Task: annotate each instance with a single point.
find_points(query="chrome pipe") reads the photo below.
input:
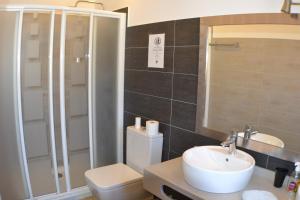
(89, 1)
(234, 45)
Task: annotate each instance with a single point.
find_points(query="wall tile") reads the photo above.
(184, 115)
(80, 162)
(35, 134)
(260, 159)
(185, 88)
(33, 97)
(33, 74)
(187, 32)
(137, 58)
(186, 60)
(138, 36)
(173, 155)
(182, 140)
(165, 156)
(78, 137)
(78, 101)
(148, 106)
(128, 121)
(152, 83)
(78, 73)
(276, 162)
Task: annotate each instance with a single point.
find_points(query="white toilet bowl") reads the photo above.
(116, 182)
(125, 182)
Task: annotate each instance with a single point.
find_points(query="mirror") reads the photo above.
(253, 78)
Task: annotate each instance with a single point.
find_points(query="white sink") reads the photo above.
(213, 169)
(265, 138)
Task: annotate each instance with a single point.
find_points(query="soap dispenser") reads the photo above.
(294, 182)
(298, 193)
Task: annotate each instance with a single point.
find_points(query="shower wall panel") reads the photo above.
(35, 104)
(105, 73)
(12, 184)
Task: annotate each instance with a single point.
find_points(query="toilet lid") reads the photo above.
(112, 176)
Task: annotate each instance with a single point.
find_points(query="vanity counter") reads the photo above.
(170, 174)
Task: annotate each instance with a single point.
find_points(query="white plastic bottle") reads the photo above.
(294, 182)
(298, 193)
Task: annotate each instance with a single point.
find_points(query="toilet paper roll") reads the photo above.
(152, 127)
(137, 124)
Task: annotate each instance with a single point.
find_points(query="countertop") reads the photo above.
(170, 173)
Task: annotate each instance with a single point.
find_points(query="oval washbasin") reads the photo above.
(265, 138)
(213, 169)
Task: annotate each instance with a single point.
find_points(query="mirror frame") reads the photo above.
(239, 19)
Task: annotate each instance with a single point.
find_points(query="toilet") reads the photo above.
(125, 182)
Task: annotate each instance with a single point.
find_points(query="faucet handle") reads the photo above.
(234, 133)
(248, 127)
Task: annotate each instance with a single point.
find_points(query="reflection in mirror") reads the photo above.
(252, 77)
(251, 133)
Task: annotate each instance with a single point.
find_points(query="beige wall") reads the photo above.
(272, 31)
(256, 84)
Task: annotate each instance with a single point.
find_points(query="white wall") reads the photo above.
(149, 11)
(47, 2)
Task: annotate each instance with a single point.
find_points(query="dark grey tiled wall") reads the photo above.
(169, 95)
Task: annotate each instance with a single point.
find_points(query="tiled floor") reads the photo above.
(90, 198)
(93, 198)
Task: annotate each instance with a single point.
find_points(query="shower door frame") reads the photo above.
(92, 13)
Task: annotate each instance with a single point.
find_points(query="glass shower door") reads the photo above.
(36, 102)
(76, 82)
(54, 98)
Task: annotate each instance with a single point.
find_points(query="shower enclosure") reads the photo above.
(61, 107)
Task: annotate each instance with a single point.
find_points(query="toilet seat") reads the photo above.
(112, 176)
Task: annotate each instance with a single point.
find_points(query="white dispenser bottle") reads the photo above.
(294, 182)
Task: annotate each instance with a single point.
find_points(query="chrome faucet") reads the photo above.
(248, 132)
(231, 142)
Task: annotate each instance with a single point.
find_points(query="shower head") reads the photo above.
(286, 7)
